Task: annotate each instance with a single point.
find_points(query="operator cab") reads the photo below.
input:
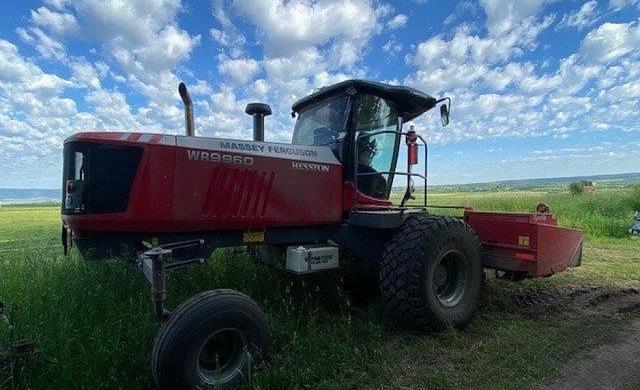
(361, 121)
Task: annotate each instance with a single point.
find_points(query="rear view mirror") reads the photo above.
(444, 115)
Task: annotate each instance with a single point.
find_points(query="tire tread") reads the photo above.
(401, 271)
(185, 313)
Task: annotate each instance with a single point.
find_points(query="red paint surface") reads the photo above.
(212, 196)
(550, 247)
(173, 194)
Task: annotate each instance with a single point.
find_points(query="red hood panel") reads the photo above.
(203, 184)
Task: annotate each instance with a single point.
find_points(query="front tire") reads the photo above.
(431, 274)
(210, 341)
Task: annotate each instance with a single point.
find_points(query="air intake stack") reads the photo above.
(258, 111)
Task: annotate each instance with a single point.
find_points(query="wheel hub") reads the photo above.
(450, 278)
(441, 275)
(221, 356)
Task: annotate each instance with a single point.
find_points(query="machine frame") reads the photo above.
(391, 242)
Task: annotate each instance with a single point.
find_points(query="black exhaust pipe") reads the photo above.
(188, 109)
(258, 111)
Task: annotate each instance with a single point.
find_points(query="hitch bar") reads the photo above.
(153, 264)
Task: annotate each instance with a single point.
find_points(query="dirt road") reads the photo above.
(612, 366)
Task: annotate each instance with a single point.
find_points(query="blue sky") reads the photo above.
(540, 88)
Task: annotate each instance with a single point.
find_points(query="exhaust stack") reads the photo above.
(258, 111)
(188, 109)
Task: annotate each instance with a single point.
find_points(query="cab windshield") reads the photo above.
(323, 124)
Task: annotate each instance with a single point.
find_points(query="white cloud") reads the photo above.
(383, 10)
(494, 95)
(135, 21)
(171, 45)
(223, 39)
(57, 22)
(449, 19)
(617, 5)
(12, 66)
(392, 47)
(201, 88)
(466, 59)
(398, 21)
(288, 27)
(56, 4)
(258, 90)
(143, 45)
(34, 118)
(140, 35)
(16, 72)
(228, 37)
(630, 90)
(611, 41)
(85, 74)
(112, 109)
(466, 9)
(48, 47)
(496, 77)
(241, 70)
(45, 85)
(581, 18)
(306, 63)
(305, 44)
(603, 153)
(505, 15)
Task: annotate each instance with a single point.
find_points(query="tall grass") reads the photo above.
(635, 197)
(602, 214)
(94, 328)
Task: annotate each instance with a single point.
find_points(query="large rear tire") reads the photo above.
(210, 341)
(431, 274)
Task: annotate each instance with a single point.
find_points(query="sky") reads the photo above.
(539, 88)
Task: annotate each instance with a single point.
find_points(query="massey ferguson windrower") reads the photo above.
(169, 201)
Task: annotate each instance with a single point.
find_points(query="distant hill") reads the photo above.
(29, 195)
(34, 195)
(599, 181)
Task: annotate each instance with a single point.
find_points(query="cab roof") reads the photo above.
(409, 101)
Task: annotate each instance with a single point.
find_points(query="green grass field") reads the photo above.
(93, 324)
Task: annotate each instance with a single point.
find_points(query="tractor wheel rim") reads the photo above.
(222, 356)
(450, 278)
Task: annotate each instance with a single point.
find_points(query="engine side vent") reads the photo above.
(238, 193)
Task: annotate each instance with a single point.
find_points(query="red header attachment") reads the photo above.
(412, 153)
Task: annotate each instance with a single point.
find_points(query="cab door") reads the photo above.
(375, 151)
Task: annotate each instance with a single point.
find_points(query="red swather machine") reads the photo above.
(170, 201)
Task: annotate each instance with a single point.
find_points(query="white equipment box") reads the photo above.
(311, 258)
